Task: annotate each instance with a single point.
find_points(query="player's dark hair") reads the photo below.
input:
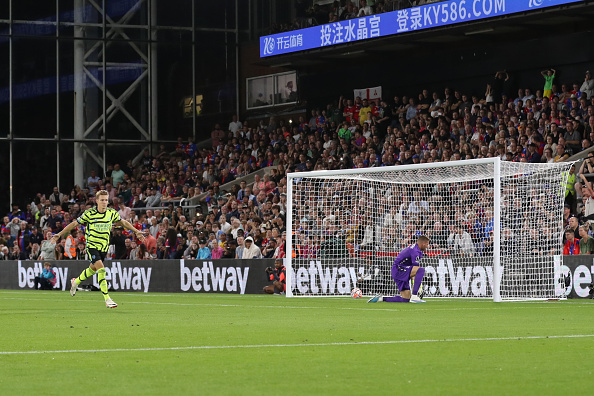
(423, 238)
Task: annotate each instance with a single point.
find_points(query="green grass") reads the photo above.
(244, 345)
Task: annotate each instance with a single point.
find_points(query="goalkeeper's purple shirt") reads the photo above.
(409, 256)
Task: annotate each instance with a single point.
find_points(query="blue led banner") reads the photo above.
(396, 22)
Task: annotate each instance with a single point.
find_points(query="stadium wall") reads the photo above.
(249, 277)
(168, 276)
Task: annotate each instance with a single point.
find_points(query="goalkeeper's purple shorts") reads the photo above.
(401, 275)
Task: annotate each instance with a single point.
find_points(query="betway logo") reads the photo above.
(470, 281)
(580, 278)
(445, 279)
(209, 277)
(126, 278)
(325, 280)
(27, 275)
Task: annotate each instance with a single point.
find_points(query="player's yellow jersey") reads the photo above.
(98, 227)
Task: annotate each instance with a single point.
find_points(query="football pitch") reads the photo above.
(169, 344)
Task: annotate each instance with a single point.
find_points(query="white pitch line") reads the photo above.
(306, 307)
(549, 306)
(320, 344)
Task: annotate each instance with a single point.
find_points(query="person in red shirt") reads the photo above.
(151, 245)
(357, 108)
(375, 110)
(278, 276)
(572, 246)
(349, 111)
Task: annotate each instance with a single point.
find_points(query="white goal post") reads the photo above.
(495, 228)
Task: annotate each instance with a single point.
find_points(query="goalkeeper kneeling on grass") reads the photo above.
(278, 276)
(406, 267)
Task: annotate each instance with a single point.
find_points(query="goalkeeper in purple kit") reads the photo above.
(406, 267)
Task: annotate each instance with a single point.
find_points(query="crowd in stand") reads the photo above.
(247, 221)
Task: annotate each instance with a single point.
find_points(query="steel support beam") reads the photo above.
(79, 92)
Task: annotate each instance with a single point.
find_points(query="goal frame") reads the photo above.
(495, 161)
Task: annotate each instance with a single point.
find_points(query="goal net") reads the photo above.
(495, 228)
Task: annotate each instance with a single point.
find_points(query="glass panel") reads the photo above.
(260, 92)
(44, 164)
(4, 180)
(33, 10)
(34, 18)
(285, 88)
(179, 12)
(4, 9)
(66, 11)
(174, 85)
(220, 14)
(66, 71)
(66, 167)
(4, 93)
(34, 88)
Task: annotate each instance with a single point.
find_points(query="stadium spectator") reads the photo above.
(81, 252)
(192, 251)
(250, 251)
(217, 250)
(574, 226)
(549, 76)
(151, 245)
(587, 198)
(571, 246)
(47, 279)
(588, 85)
(48, 247)
(203, 251)
(92, 182)
(56, 196)
(143, 253)
(70, 245)
(570, 192)
(281, 251)
(4, 253)
(230, 250)
(17, 254)
(217, 136)
(14, 227)
(240, 247)
(35, 236)
(586, 241)
(460, 241)
(59, 250)
(16, 212)
(269, 249)
(117, 240)
(278, 276)
(235, 126)
(133, 254)
(35, 252)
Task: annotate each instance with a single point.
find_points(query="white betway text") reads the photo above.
(211, 278)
